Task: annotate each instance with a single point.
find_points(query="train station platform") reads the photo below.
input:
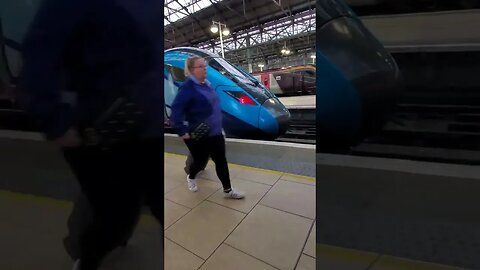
(37, 190)
(274, 227)
(423, 211)
(202, 230)
(32, 229)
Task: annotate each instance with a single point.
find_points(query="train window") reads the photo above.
(215, 65)
(243, 79)
(224, 67)
(294, 83)
(178, 74)
(310, 73)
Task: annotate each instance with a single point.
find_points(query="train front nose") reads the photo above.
(367, 67)
(273, 118)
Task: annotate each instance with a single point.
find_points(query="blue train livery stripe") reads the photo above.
(338, 104)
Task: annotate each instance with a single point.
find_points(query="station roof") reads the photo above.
(188, 22)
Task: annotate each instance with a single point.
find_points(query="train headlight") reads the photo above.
(241, 97)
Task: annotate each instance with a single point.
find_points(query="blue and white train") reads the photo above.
(249, 109)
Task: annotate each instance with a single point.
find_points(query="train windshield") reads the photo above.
(243, 79)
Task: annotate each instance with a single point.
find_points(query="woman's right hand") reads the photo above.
(186, 136)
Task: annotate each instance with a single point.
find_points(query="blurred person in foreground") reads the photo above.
(109, 54)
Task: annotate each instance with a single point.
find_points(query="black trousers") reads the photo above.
(213, 147)
(189, 162)
(116, 183)
(79, 220)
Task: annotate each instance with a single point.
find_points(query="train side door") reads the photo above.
(174, 78)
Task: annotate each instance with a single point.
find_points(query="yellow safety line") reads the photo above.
(17, 196)
(303, 177)
(385, 262)
(396, 263)
(24, 197)
(345, 254)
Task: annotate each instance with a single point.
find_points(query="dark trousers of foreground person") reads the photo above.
(116, 182)
(213, 147)
(79, 220)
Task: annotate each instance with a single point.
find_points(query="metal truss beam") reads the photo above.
(279, 30)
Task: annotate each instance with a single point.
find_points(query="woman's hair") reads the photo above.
(189, 64)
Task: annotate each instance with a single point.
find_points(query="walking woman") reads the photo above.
(199, 105)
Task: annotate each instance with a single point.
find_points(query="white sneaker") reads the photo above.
(192, 184)
(234, 194)
(76, 265)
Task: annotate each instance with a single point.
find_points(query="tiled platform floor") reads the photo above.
(272, 228)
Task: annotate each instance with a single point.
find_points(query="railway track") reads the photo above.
(299, 134)
(301, 131)
(438, 116)
(429, 132)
